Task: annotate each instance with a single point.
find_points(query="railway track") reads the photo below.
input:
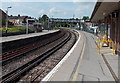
(6, 57)
(19, 72)
(40, 71)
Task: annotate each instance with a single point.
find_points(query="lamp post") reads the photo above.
(7, 19)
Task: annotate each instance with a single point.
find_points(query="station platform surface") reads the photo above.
(84, 63)
(23, 36)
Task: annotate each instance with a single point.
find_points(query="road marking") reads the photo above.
(78, 67)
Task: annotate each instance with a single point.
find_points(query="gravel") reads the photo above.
(40, 71)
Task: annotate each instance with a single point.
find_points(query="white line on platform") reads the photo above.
(55, 69)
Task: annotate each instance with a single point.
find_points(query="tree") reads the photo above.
(45, 17)
(10, 23)
(85, 18)
(77, 19)
(44, 21)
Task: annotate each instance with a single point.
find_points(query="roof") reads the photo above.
(95, 9)
(18, 17)
(2, 12)
(103, 9)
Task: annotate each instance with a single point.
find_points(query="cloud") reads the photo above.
(83, 9)
(21, 13)
(65, 10)
(41, 11)
(80, 11)
(53, 11)
(76, 1)
(11, 0)
(59, 1)
(64, 13)
(84, 1)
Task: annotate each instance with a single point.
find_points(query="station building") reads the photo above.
(2, 17)
(108, 13)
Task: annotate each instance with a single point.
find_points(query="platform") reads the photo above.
(23, 36)
(83, 63)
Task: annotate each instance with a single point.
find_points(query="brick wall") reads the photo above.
(118, 32)
(115, 31)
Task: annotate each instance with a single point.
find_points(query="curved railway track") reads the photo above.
(57, 41)
(28, 48)
(39, 72)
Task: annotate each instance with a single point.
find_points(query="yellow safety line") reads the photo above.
(107, 49)
(78, 67)
(108, 54)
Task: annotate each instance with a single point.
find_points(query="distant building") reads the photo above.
(65, 20)
(2, 14)
(2, 17)
(19, 20)
(89, 23)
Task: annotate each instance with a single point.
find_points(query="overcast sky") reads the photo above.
(52, 9)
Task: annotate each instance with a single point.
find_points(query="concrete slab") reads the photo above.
(66, 69)
(92, 63)
(83, 64)
(23, 36)
(112, 59)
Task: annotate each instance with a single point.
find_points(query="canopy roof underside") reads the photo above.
(102, 9)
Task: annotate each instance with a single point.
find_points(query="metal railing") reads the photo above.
(102, 40)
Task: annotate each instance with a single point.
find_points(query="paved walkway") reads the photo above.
(92, 67)
(84, 63)
(23, 36)
(112, 59)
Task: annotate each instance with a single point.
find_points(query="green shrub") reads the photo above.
(14, 29)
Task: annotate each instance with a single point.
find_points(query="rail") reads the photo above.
(28, 48)
(16, 74)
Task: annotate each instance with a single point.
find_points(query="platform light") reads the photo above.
(7, 19)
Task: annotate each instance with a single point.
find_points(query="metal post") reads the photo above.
(113, 48)
(27, 27)
(7, 19)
